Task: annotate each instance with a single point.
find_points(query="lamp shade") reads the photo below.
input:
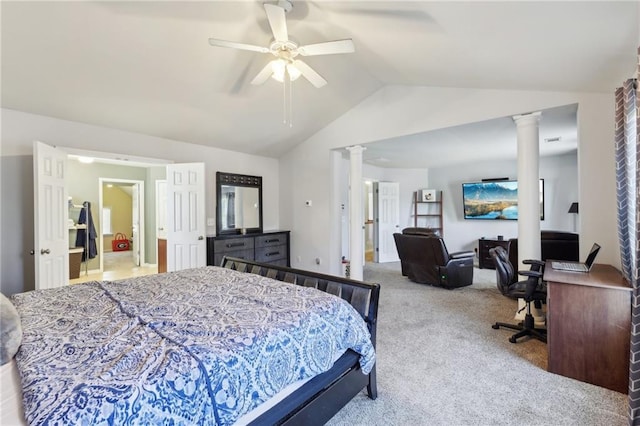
(573, 208)
(293, 72)
(278, 67)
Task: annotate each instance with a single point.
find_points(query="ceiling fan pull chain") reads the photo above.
(290, 104)
(284, 100)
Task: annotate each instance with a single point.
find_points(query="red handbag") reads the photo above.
(120, 242)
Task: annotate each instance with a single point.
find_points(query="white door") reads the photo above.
(161, 209)
(186, 227)
(51, 233)
(388, 220)
(135, 223)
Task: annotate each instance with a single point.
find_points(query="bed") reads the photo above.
(236, 344)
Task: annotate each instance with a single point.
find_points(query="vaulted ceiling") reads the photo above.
(147, 67)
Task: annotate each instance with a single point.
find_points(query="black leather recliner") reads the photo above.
(532, 290)
(424, 231)
(425, 259)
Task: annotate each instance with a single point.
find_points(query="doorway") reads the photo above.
(129, 212)
(122, 233)
(386, 217)
(185, 241)
(381, 220)
(369, 242)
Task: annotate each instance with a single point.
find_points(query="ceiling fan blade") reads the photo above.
(263, 75)
(308, 73)
(328, 48)
(234, 45)
(277, 21)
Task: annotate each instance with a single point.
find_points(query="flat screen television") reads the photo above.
(494, 200)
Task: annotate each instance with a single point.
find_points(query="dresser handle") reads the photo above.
(273, 240)
(273, 253)
(230, 245)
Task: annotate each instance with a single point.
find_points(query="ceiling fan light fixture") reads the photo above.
(286, 50)
(278, 66)
(294, 73)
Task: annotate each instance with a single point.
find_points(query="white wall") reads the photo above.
(395, 111)
(19, 130)
(560, 176)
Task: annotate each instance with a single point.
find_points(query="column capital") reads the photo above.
(356, 149)
(530, 118)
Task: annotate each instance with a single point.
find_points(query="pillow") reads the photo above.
(10, 330)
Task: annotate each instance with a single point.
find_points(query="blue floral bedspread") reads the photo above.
(200, 346)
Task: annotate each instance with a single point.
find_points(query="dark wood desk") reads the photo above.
(589, 325)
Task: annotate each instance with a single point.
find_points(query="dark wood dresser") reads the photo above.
(266, 247)
(484, 245)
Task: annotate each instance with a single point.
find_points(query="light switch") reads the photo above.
(211, 221)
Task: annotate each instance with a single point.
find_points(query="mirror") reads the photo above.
(239, 203)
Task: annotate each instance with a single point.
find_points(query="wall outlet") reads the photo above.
(211, 221)
(318, 261)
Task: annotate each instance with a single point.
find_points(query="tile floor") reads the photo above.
(117, 265)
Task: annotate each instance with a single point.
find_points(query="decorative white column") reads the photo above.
(528, 127)
(356, 221)
(528, 134)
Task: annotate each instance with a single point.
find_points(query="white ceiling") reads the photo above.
(487, 140)
(147, 67)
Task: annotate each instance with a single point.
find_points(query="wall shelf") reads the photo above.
(428, 214)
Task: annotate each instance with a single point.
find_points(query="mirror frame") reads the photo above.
(245, 181)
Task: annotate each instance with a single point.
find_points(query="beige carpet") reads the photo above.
(441, 363)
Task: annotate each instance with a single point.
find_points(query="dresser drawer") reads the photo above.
(241, 254)
(269, 254)
(280, 262)
(271, 240)
(232, 244)
(271, 247)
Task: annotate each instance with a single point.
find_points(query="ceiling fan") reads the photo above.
(286, 51)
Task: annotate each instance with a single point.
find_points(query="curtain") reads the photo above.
(627, 144)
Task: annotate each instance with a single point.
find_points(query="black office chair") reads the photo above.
(532, 290)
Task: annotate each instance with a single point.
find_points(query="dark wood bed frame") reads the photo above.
(323, 396)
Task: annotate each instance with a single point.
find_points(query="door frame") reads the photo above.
(160, 202)
(141, 215)
(376, 220)
(368, 205)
